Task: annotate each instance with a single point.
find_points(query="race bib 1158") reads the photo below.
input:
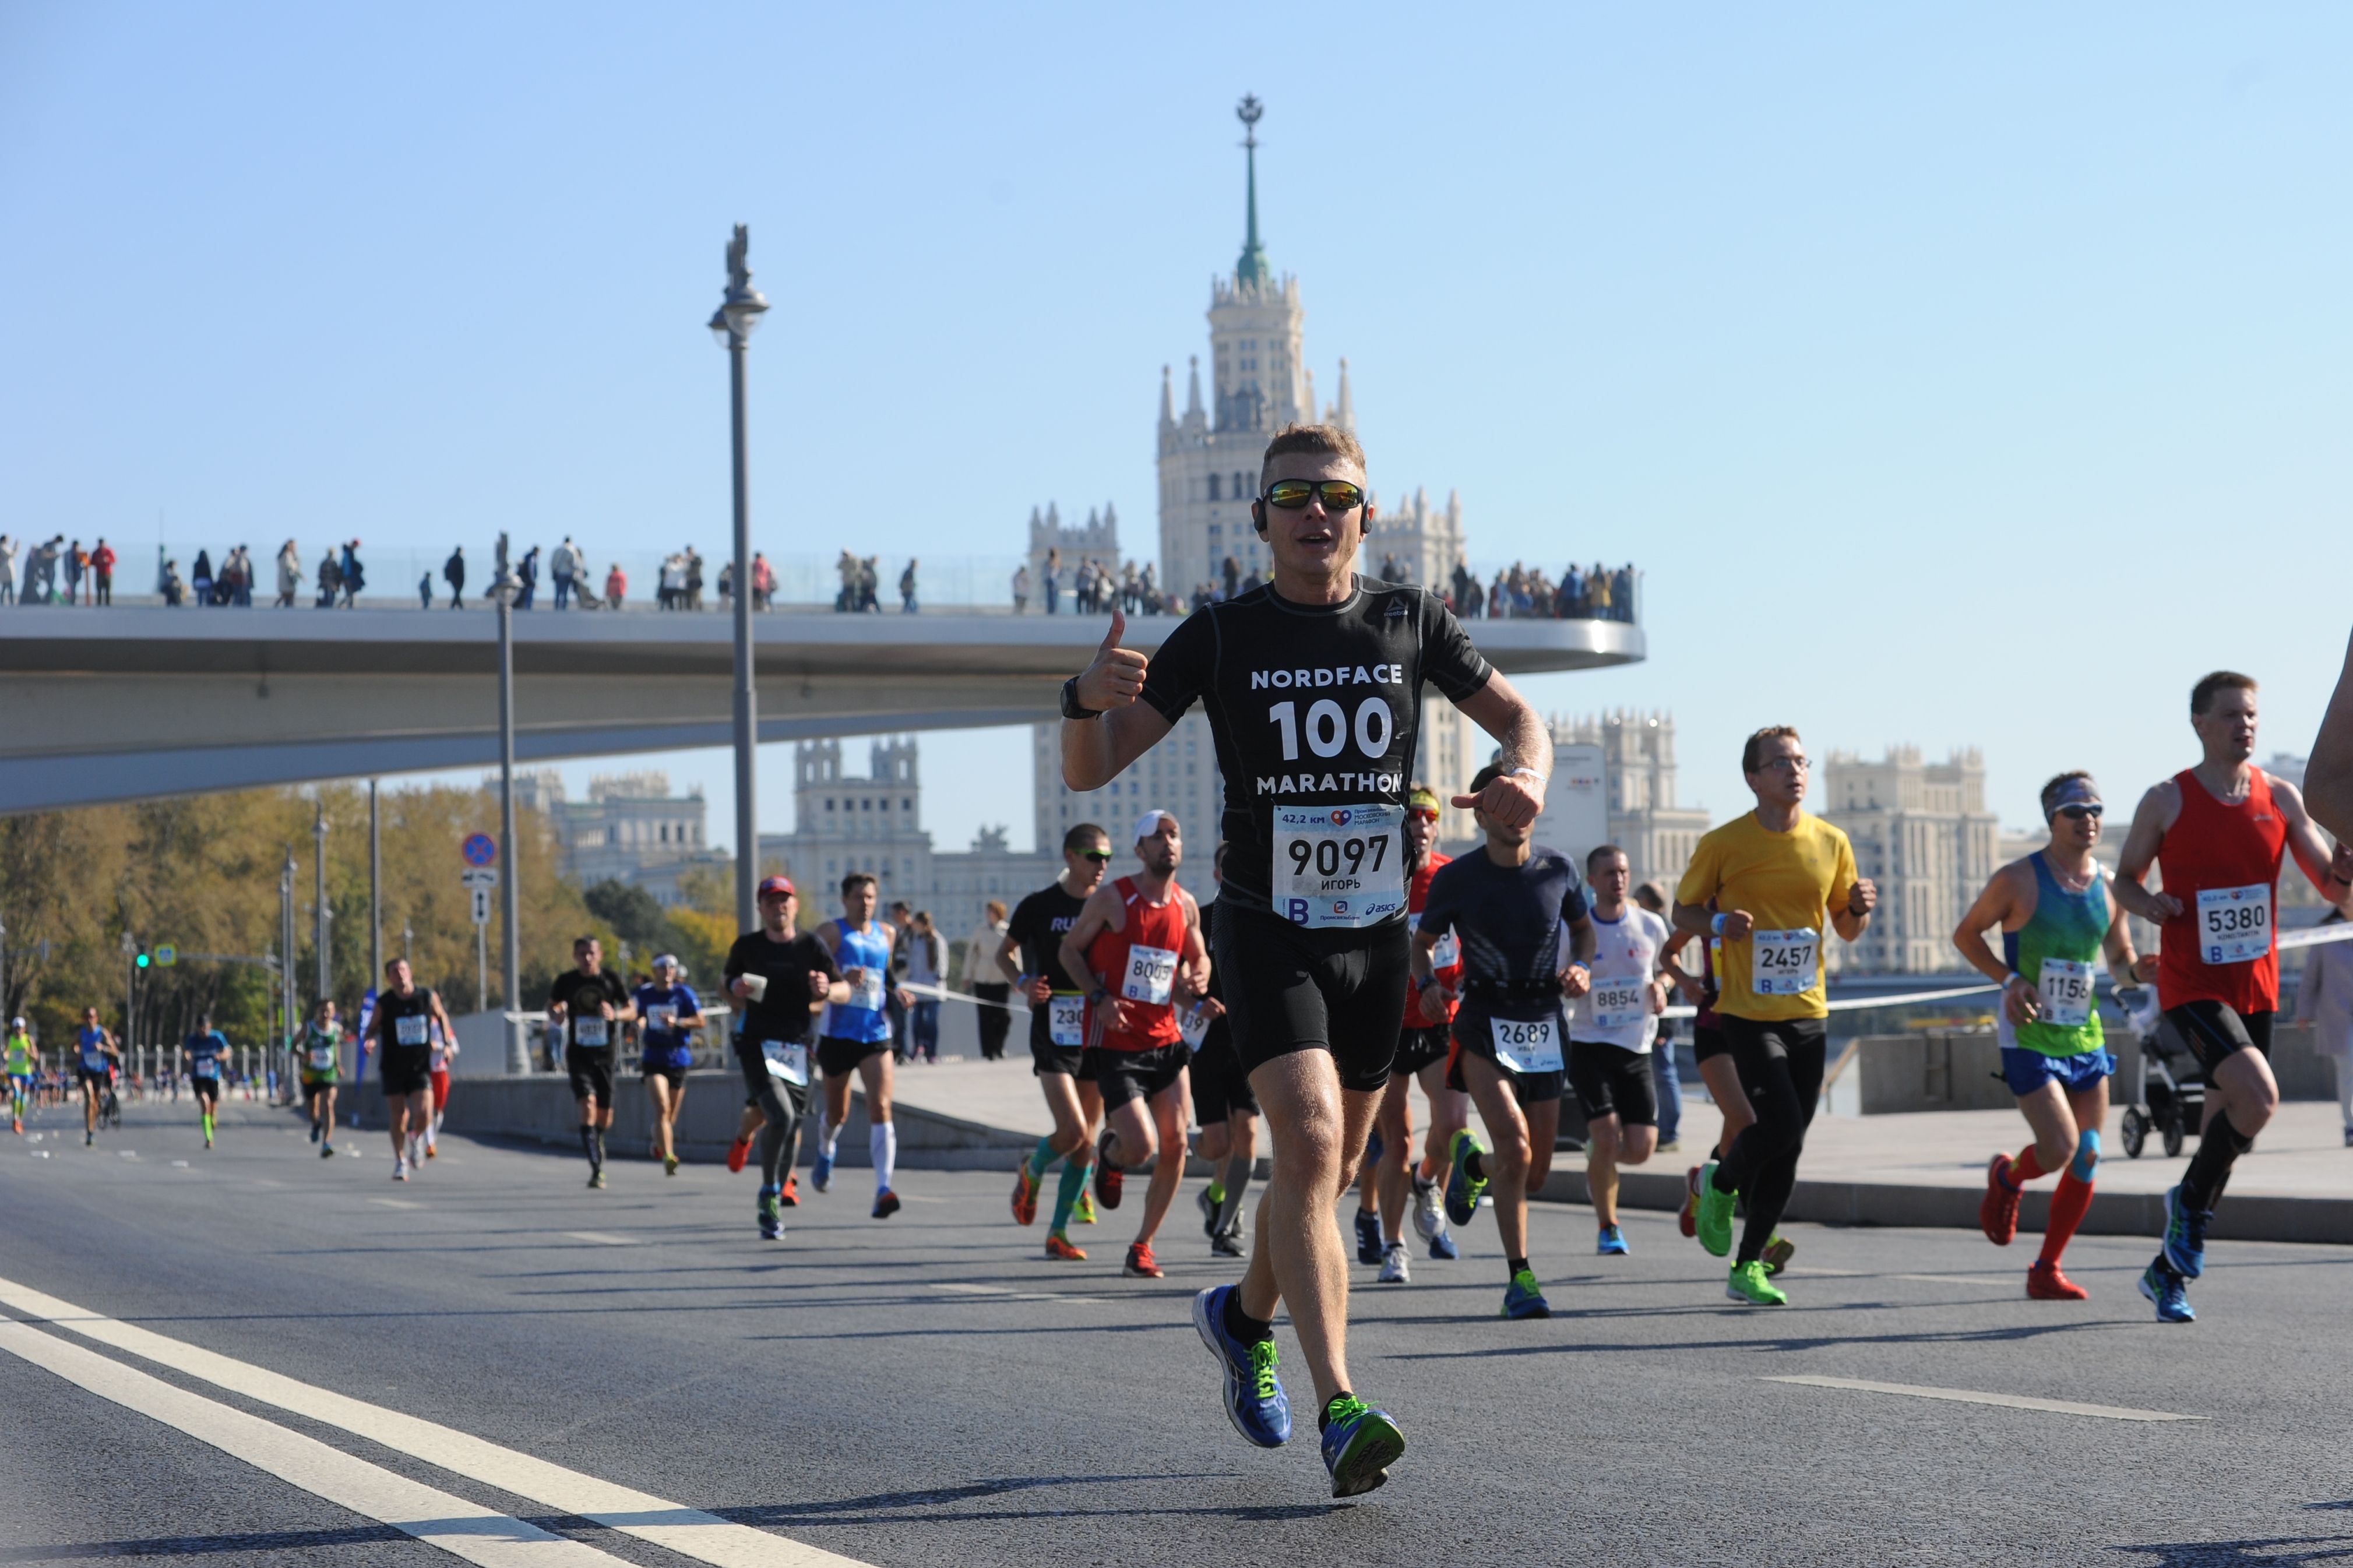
(2065, 987)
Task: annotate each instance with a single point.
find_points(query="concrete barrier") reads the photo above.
(1960, 1070)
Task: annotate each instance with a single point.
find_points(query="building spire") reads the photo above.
(1168, 400)
(1251, 269)
(1347, 412)
(1192, 389)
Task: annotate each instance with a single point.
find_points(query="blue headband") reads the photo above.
(2074, 792)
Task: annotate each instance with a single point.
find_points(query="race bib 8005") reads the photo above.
(1782, 963)
(1151, 975)
(1338, 867)
(2234, 924)
(1526, 1045)
(2065, 987)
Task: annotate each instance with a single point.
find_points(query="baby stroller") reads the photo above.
(2172, 1100)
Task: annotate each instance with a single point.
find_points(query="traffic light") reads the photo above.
(142, 961)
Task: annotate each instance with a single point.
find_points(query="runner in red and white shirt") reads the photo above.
(1138, 941)
(444, 1051)
(2217, 834)
(1420, 1056)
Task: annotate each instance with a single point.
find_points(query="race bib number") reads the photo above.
(787, 1059)
(2067, 989)
(1338, 867)
(1782, 963)
(2234, 924)
(410, 1030)
(1445, 953)
(1151, 975)
(1526, 1047)
(1617, 1003)
(662, 1020)
(589, 1031)
(867, 993)
(1066, 1021)
(322, 1058)
(1194, 1025)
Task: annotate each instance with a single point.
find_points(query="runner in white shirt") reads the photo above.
(1612, 1030)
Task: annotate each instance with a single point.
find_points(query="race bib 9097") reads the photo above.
(1338, 867)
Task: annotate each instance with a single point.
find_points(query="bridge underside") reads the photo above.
(136, 703)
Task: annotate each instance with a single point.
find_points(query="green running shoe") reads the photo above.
(1712, 1223)
(1524, 1297)
(1463, 1192)
(1747, 1282)
(1359, 1446)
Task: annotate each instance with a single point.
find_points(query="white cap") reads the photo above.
(1149, 824)
(668, 961)
(19, 1021)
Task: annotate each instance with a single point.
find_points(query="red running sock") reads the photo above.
(2068, 1206)
(2025, 1167)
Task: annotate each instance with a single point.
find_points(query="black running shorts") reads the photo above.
(1045, 1056)
(1471, 1036)
(2215, 1031)
(757, 1077)
(204, 1087)
(677, 1076)
(1220, 1090)
(1124, 1075)
(1420, 1047)
(1707, 1040)
(1290, 989)
(838, 1058)
(590, 1070)
(1612, 1080)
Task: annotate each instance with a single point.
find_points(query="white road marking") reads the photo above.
(437, 1518)
(1007, 1293)
(602, 1237)
(1970, 1396)
(394, 1203)
(689, 1533)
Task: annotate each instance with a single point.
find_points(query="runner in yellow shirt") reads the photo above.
(1782, 879)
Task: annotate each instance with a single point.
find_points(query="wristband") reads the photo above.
(1716, 925)
(1071, 708)
(2014, 974)
(1527, 772)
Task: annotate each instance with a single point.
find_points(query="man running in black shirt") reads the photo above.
(1507, 905)
(588, 1006)
(1030, 955)
(1313, 687)
(779, 977)
(406, 1014)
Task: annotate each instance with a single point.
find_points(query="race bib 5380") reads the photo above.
(1338, 866)
(2234, 924)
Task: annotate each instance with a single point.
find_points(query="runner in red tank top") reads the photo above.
(1139, 940)
(2217, 833)
(1420, 1056)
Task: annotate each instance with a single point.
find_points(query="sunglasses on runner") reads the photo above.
(1100, 857)
(1425, 815)
(1337, 495)
(2077, 810)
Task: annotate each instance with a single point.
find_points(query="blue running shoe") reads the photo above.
(1463, 1193)
(821, 1174)
(772, 1215)
(2165, 1290)
(1255, 1403)
(1369, 1238)
(2185, 1236)
(1612, 1243)
(1523, 1299)
(1359, 1446)
(1442, 1248)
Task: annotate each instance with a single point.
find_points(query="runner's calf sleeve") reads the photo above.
(882, 1147)
(2069, 1205)
(2217, 1149)
(2025, 1166)
(1041, 1156)
(588, 1143)
(1231, 1209)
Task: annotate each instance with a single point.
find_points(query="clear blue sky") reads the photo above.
(1960, 374)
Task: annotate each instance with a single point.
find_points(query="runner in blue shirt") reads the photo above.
(665, 1041)
(98, 1055)
(206, 1051)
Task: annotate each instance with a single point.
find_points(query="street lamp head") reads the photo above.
(740, 310)
(506, 587)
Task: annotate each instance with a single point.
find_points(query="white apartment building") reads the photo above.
(631, 828)
(1637, 751)
(1922, 833)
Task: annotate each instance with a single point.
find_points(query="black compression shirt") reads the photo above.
(783, 1012)
(1040, 924)
(1509, 919)
(580, 996)
(1315, 709)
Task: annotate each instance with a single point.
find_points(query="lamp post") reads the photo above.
(324, 956)
(286, 944)
(376, 884)
(732, 324)
(503, 589)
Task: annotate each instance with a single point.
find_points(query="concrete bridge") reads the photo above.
(136, 702)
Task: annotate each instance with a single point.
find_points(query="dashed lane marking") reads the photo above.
(1972, 1396)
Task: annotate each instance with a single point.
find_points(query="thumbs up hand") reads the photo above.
(1116, 676)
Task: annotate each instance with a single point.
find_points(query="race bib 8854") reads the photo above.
(1338, 867)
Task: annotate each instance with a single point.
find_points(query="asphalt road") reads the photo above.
(929, 1390)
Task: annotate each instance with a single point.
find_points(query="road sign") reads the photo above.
(480, 877)
(479, 849)
(167, 955)
(481, 905)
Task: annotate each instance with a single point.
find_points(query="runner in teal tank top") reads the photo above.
(855, 1045)
(2057, 915)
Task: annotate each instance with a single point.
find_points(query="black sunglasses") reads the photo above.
(1337, 495)
(1100, 857)
(2078, 810)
